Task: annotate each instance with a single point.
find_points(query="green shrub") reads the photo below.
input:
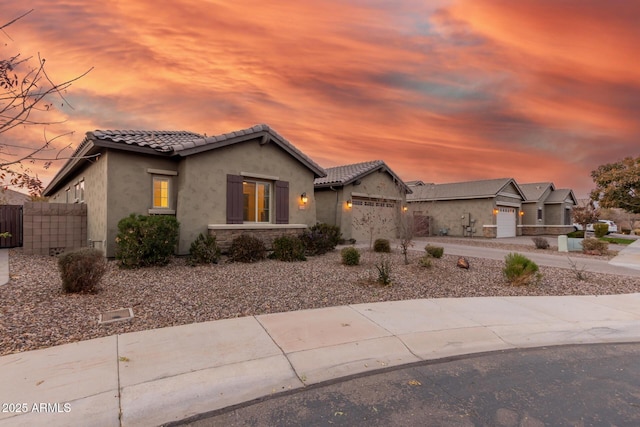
(288, 248)
(382, 245)
(247, 248)
(600, 229)
(595, 246)
(540, 242)
(520, 270)
(384, 272)
(425, 261)
(81, 270)
(434, 251)
(350, 256)
(204, 250)
(578, 234)
(144, 241)
(321, 238)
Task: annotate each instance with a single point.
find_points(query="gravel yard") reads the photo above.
(35, 313)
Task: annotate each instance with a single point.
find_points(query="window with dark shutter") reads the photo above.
(234, 199)
(282, 202)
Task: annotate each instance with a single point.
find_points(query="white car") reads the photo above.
(613, 228)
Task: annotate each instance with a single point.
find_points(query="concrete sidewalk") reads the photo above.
(629, 257)
(153, 377)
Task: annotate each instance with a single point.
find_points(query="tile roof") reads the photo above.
(162, 141)
(184, 143)
(176, 143)
(460, 190)
(346, 174)
(533, 191)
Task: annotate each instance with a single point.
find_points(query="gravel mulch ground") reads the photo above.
(35, 313)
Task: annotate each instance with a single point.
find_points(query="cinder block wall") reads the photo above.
(53, 228)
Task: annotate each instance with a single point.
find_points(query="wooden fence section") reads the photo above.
(11, 222)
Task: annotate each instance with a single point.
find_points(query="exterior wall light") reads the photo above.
(349, 203)
(495, 211)
(304, 198)
(405, 208)
(521, 213)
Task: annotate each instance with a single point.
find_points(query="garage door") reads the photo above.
(506, 222)
(379, 216)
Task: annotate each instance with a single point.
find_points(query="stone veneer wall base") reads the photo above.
(225, 233)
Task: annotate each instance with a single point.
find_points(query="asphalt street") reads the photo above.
(585, 385)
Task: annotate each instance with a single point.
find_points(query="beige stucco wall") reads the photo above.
(129, 188)
(455, 214)
(555, 214)
(329, 205)
(202, 185)
(95, 197)
(531, 213)
(531, 210)
(120, 183)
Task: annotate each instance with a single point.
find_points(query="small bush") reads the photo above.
(541, 242)
(520, 270)
(578, 234)
(600, 229)
(247, 248)
(425, 261)
(382, 245)
(594, 246)
(81, 270)
(384, 272)
(288, 248)
(434, 251)
(204, 250)
(321, 238)
(144, 241)
(350, 256)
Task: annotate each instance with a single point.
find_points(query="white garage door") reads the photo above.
(506, 222)
(373, 216)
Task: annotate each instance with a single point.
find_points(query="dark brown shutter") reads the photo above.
(282, 202)
(234, 199)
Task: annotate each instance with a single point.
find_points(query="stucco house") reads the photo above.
(489, 208)
(251, 180)
(366, 200)
(547, 210)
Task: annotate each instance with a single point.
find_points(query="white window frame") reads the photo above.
(270, 205)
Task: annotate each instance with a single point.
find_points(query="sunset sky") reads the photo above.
(441, 90)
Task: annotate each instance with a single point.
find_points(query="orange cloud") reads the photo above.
(442, 91)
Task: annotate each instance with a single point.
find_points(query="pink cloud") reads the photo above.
(442, 91)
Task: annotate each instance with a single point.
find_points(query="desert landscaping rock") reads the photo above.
(36, 313)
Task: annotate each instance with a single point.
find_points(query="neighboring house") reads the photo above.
(251, 180)
(11, 197)
(366, 200)
(489, 208)
(547, 210)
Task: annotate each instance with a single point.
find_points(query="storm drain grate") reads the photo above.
(116, 315)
